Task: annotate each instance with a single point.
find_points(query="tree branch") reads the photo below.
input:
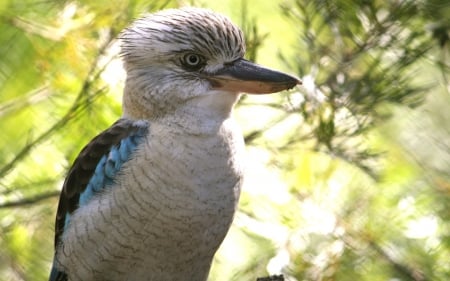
(271, 278)
(30, 200)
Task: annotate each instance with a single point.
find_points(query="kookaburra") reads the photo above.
(153, 196)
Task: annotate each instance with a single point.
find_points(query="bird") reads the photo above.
(153, 196)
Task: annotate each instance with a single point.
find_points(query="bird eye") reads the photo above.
(193, 61)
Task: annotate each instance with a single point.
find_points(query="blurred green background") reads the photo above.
(349, 175)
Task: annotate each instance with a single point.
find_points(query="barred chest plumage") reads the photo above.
(172, 205)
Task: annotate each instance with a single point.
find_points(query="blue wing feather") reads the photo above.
(94, 170)
(108, 166)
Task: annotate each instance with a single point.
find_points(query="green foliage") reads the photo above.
(348, 175)
(364, 204)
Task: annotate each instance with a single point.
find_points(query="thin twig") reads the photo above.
(30, 200)
(70, 114)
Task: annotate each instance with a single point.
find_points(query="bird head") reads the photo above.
(190, 58)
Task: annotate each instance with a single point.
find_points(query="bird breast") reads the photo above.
(192, 178)
(168, 212)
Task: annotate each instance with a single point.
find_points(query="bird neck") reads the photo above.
(198, 115)
(203, 115)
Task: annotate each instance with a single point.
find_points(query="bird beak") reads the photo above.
(245, 76)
